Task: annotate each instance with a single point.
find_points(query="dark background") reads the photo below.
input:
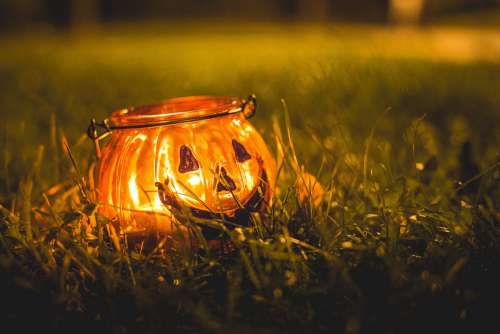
(66, 13)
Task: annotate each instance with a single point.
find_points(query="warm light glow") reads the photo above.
(157, 204)
(183, 158)
(406, 11)
(194, 180)
(247, 176)
(132, 187)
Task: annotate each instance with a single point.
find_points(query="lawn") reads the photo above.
(400, 126)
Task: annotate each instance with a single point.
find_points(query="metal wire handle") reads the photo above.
(248, 107)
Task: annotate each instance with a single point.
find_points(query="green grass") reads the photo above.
(392, 247)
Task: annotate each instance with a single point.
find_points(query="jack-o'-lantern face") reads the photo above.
(211, 167)
(217, 165)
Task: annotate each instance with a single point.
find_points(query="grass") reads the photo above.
(403, 140)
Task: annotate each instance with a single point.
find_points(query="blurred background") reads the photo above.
(68, 13)
(340, 66)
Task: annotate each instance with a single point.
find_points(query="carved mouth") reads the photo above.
(240, 216)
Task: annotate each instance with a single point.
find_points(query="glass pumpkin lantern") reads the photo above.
(198, 153)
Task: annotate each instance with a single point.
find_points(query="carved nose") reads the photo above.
(224, 181)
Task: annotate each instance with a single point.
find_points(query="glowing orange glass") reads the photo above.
(195, 152)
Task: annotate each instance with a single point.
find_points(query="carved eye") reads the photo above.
(240, 151)
(225, 181)
(188, 161)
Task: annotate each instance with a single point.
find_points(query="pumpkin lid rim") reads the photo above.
(179, 109)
